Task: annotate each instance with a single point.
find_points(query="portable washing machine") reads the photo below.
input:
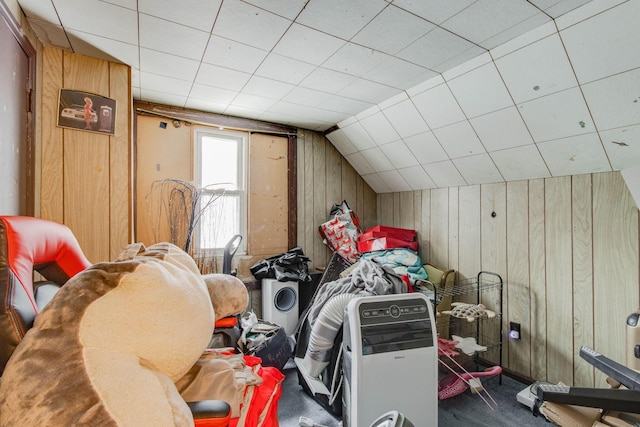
(390, 360)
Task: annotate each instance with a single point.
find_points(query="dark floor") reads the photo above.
(464, 410)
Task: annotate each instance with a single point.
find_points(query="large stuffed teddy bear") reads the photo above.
(110, 346)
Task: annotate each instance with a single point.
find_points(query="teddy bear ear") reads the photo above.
(130, 251)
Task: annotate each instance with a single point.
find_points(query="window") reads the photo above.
(220, 174)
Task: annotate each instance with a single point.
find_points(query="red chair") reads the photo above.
(26, 245)
(29, 244)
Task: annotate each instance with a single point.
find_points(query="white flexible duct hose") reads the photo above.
(323, 334)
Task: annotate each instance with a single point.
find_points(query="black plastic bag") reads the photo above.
(289, 266)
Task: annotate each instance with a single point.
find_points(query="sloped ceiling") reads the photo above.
(416, 94)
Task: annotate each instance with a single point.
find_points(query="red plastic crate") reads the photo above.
(393, 232)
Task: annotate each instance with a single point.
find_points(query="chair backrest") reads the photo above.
(30, 244)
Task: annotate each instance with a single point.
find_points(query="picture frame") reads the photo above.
(86, 111)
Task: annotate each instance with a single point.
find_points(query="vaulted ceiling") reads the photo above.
(416, 94)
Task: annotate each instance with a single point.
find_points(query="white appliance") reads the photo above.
(390, 360)
(280, 303)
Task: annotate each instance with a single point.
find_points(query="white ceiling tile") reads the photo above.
(394, 181)
(239, 111)
(347, 121)
(537, 70)
(438, 107)
(303, 96)
(192, 13)
(135, 92)
(480, 91)
(165, 84)
(520, 163)
(341, 142)
(212, 94)
(399, 155)
(444, 174)
(586, 11)
(434, 48)
(376, 158)
(135, 77)
(460, 58)
(596, 53)
(359, 163)
(426, 148)
(523, 27)
(557, 115)
(99, 18)
(394, 72)
(478, 169)
(501, 129)
(417, 79)
(107, 49)
(402, 96)
(368, 91)
(205, 105)
(354, 60)
(575, 155)
(338, 18)
(252, 101)
(327, 80)
(426, 85)
(286, 8)
(379, 128)
(284, 69)
(131, 4)
(230, 54)
(307, 45)
(376, 183)
(250, 25)
(164, 36)
(40, 10)
(486, 18)
(523, 40)
(302, 111)
(405, 118)
(168, 65)
(342, 104)
(212, 75)
(556, 8)
(162, 97)
(358, 136)
(266, 87)
(375, 109)
(435, 11)
(417, 178)
(622, 146)
(467, 66)
(459, 140)
(392, 30)
(615, 101)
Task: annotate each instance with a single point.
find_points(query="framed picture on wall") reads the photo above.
(86, 111)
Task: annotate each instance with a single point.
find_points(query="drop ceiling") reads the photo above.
(415, 94)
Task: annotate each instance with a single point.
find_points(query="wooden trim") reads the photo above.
(30, 52)
(211, 119)
(292, 178)
(14, 26)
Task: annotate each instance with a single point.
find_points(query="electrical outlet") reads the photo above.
(514, 330)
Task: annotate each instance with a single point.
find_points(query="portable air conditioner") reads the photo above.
(390, 360)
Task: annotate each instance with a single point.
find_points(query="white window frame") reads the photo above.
(242, 139)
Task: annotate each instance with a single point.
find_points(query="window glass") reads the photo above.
(220, 170)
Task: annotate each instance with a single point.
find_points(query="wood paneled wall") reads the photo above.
(85, 179)
(566, 248)
(326, 178)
